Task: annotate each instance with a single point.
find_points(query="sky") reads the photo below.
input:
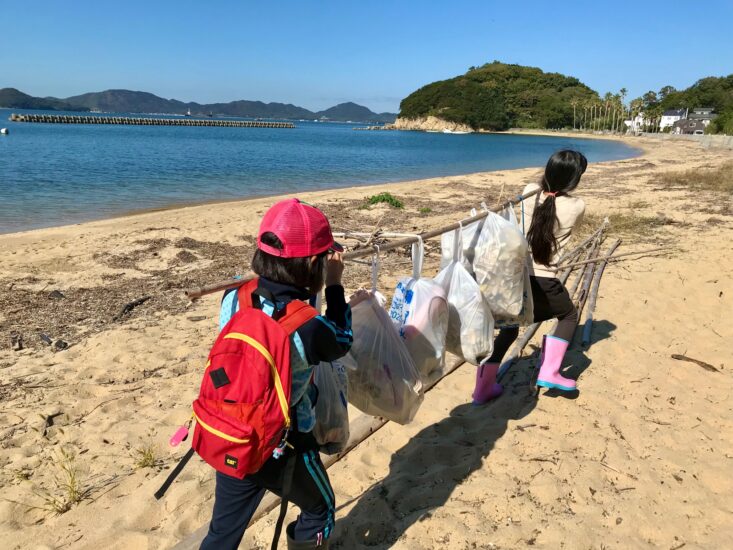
(318, 53)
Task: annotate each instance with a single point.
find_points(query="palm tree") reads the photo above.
(574, 102)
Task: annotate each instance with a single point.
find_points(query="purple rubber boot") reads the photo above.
(486, 387)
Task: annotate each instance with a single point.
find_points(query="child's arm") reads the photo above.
(329, 337)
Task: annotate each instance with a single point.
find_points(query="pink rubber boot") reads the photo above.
(486, 387)
(549, 376)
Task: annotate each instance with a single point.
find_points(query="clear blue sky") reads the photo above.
(322, 52)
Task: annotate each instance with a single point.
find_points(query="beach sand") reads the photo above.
(641, 459)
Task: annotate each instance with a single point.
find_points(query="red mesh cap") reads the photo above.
(302, 229)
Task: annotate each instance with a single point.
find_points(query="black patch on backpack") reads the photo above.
(231, 461)
(219, 377)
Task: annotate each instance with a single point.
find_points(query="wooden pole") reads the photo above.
(588, 325)
(194, 293)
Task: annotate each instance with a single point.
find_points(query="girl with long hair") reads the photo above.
(554, 213)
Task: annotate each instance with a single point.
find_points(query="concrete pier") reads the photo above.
(91, 119)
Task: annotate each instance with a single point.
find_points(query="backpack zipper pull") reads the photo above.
(278, 451)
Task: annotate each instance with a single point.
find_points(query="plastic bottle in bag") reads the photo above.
(419, 311)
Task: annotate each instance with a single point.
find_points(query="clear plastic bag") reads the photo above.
(419, 311)
(332, 416)
(383, 380)
(470, 323)
(469, 238)
(500, 266)
(526, 315)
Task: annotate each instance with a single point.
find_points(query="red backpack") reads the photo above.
(242, 411)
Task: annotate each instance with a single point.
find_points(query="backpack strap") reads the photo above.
(297, 314)
(244, 292)
(174, 474)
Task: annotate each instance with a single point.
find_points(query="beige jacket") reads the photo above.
(570, 212)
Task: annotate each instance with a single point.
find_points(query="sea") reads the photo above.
(58, 174)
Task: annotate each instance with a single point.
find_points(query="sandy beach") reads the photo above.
(641, 459)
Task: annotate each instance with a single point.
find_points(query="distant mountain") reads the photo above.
(15, 99)
(127, 101)
(352, 111)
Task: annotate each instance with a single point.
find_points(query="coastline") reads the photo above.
(348, 187)
(513, 471)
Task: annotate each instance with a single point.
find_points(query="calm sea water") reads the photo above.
(58, 174)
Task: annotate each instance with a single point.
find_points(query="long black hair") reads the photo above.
(562, 175)
(299, 272)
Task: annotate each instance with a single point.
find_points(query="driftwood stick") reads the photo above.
(127, 308)
(615, 258)
(588, 326)
(569, 255)
(194, 293)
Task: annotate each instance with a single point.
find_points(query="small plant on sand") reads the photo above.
(146, 454)
(387, 198)
(425, 210)
(68, 489)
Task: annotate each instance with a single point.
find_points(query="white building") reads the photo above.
(670, 117)
(638, 123)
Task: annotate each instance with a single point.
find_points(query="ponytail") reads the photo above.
(562, 175)
(541, 234)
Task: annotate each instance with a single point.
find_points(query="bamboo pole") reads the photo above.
(588, 325)
(194, 293)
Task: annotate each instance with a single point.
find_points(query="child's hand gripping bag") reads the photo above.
(500, 265)
(419, 310)
(332, 417)
(383, 380)
(470, 323)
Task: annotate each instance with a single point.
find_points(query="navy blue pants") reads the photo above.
(236, 499)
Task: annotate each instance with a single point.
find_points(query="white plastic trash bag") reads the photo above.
(500, 265)
(419, 311)
(526, 315)
(383, 380)
(332, 416)
(470, 323)
(469, 237)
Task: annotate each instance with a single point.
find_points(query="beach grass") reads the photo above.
(718, 180)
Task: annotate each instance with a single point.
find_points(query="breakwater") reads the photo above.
(144, 121)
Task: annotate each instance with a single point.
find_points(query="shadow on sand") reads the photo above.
(443, 455)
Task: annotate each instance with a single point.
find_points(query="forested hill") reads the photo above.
(15, 99)
(497, 96)
(128, 101)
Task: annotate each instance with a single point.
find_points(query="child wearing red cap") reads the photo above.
(296, 257)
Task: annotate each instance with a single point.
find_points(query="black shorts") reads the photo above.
(551, 299)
